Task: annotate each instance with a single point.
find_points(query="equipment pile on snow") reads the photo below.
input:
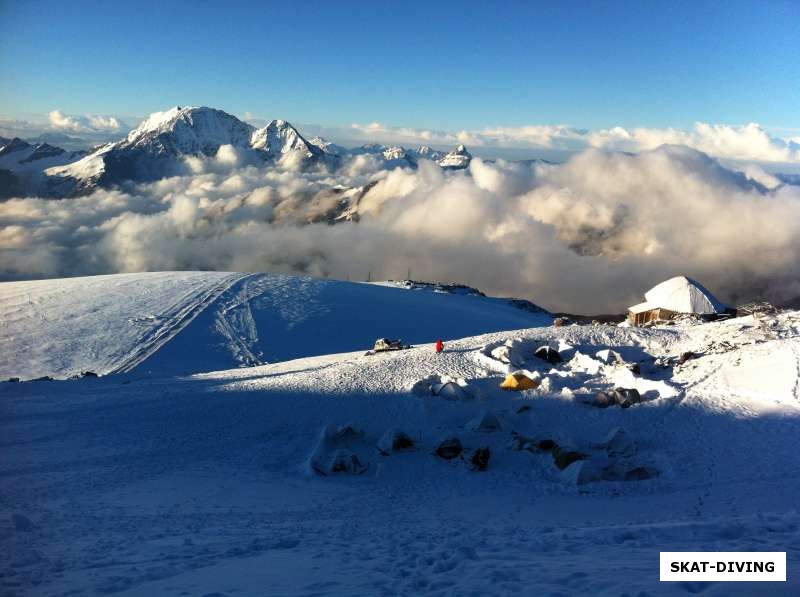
(756, 309)
(624, 397)
(335, 452)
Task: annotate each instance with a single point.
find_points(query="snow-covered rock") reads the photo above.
(509, 353)
(335, 452)
(394, 440)
(457, 159)
(609, 357)
(618, 443)
(487, 421)
(582, 472)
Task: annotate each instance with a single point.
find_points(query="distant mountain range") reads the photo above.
(158, 146)
(23, 165)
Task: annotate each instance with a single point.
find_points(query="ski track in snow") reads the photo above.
(271, 318)
(187, 322)
(101, 323)
(139, 484)
(291, 297)
(175, 319)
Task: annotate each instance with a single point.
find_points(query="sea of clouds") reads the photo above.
(749, 142)
(589, 235)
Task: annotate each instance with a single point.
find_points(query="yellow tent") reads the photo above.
(518, 381)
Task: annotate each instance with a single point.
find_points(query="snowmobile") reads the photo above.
(386, 345)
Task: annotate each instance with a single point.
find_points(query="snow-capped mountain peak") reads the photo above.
(191, 130)
(458, 158)
(320, 142)
(23, 164)
(328, 146)
(155, 121)
(157, 148)
(42, 151)
(394, 153)
(280, 137)
(15, 144)
(428, 153)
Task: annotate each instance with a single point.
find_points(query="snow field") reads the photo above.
(138, 485)
(189, 322)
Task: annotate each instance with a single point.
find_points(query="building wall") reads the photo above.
(644, 317)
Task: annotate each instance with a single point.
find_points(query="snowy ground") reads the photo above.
(101, 323)
(188, 322)
(144, 484)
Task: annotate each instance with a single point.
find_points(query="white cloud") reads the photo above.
(745, 143)
(61, 121)
(104, 123)
(589, 235)
(381, 133)
(82, 124)
(749, 142)
(741, 143)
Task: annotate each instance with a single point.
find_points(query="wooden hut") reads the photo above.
(673, 297)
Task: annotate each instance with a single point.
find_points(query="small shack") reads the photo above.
(673, 297)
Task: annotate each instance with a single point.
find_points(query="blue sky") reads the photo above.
(443, 65)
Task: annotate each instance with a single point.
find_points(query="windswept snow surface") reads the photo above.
(146, 485)
(188, 322)
(68, 326)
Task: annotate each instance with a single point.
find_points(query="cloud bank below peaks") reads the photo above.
(749, 142)
(589, 235)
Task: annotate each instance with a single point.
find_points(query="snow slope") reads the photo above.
(188, 322)
(139, 485)
(64, 327)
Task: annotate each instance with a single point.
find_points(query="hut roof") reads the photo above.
(681, 295)
(642, 307)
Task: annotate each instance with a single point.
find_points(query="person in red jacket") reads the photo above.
(439, 346)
